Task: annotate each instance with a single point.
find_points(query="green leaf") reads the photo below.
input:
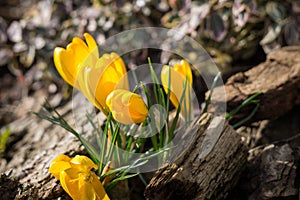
(3, 138)
(250, 100)
(57, 119)
(90, 149)
(155, 81)
(114, 171)
(245, 103)
(114, 182)
(238, 124)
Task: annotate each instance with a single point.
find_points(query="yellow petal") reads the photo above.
(83, 77)
(69, 61)
(78, 41)
(177, 85)
(71, 183)
(83, 162)
(127, 107)
(62, 157)
(86, 189)
(166, 73)
(92, 45)
(82, 186)
(185, 70)
(109, 74)
(98, 188)
(59, 164)
(137, 108)
(80, 52)
(62, 67)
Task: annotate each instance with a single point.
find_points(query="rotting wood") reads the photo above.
(208, 169)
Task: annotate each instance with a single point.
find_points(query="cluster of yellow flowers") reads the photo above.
(104, 82)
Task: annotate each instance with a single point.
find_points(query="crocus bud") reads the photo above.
(127, 107)
(178, 80)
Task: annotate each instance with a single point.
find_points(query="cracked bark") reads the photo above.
(40, 144)
(272, 172)
(209, 168)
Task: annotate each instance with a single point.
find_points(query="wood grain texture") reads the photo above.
(278, 79)
(38, 144)
(207, 170)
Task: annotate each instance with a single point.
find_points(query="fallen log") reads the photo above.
(278, 79)
(208, 169)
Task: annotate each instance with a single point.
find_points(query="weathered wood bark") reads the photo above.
(207, 170)
(38, 143)
(278, 79)
(272, 172)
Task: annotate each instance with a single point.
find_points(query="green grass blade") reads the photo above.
(245, 103)
(114, 182)
(238, 124)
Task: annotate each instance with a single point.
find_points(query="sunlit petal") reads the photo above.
(60, 163)
(84, 162)
(185, 70)
(70, 182)
(76, 177)
(63, 68)
(69, 61)
(98, 188)
(178, 80)
(108, 74)
(176, 85)
(92, 45)
(127, 107)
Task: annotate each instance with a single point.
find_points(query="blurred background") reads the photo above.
(236, 33)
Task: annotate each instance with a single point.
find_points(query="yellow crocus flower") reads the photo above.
(77, 179)
(180, 76)
(99, 80)
(127, 107)
(69, 61)
(80, 66)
